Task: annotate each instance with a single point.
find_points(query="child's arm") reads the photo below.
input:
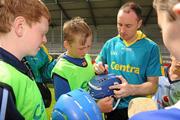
(105, 104)
(11, 109)
(61, 86)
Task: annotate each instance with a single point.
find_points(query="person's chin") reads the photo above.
(124, 37)
(38, 49)
(34, 53)
(82, 56)
(177, 56)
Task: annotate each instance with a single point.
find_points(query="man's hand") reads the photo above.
(122, 90)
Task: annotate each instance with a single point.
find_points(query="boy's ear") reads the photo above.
(176, 9)
(66, 44)
(18, 24)
(139, 24)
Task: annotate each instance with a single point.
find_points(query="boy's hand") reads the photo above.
(174, 71)
(105, 104)
(100, 68)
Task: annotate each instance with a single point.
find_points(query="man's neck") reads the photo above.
(132, 39)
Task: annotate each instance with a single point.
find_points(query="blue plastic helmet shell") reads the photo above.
(99, 85)
(76, 105)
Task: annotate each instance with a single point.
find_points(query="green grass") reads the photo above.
(49, 110)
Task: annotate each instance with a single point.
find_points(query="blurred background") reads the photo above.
(101, 16)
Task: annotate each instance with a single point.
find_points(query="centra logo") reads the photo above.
(125, 68)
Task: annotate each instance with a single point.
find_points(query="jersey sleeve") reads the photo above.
(11, 112)
(102, 56)
(155, 67)
(61, 85)
(49, 64)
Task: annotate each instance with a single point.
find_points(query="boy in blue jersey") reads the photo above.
(23, 25)
(168, 12)
(41, 66)
(168, 93)
(133, 56)
(74, 68)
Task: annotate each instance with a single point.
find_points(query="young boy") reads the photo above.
(168, 88)
(168, 12)
(74, 68)
(41, 66)
(23, 26)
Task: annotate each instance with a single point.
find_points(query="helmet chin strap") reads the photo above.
(116, 104)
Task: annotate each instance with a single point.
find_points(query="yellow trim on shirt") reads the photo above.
(46, 51)
(139, 35)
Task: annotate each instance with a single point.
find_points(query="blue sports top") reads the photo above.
(164, 114)
(41, 65)
(135, 61)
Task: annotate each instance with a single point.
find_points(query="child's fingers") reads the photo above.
(99, 68)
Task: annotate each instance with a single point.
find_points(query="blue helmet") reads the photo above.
(76, 105)
(99, 85)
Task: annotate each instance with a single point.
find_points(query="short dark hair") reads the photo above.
(127, 7)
